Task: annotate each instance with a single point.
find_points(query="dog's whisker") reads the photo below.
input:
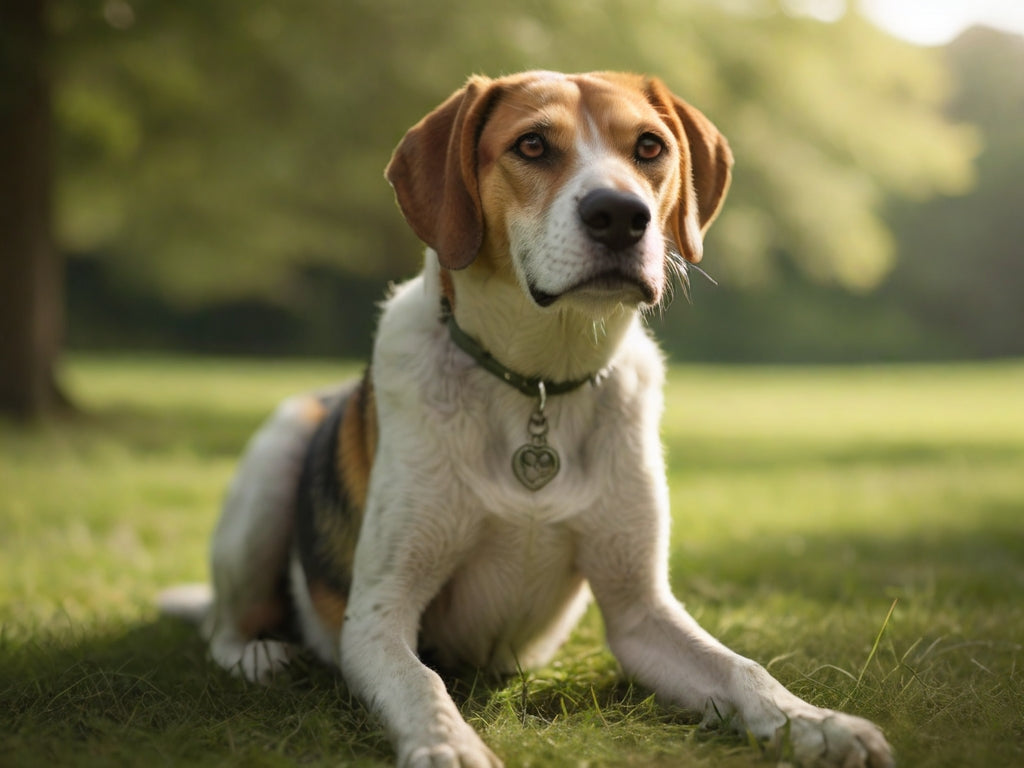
(677, 268)
(708, 277)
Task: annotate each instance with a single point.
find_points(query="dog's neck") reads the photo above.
(556, 344)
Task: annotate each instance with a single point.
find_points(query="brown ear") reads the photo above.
(706, 176)
(433, 172)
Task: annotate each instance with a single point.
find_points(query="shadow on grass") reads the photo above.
(695, 456)
(944, 679)
(140, 694)
(980, 566)
(944, 683)
(133, 694)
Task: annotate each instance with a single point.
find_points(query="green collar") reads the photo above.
(530, 386)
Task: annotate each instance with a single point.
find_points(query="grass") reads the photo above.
(807, 503)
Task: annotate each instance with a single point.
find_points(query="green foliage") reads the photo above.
(956, 287)
(805, 502)
(209, 148)
(962, 271)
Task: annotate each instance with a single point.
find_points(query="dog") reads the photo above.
(499, 463)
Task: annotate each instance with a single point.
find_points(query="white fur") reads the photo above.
(456, 555)
(251, 543)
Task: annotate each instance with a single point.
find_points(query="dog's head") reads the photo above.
(575, 185)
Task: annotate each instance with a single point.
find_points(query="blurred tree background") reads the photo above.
(218, 182)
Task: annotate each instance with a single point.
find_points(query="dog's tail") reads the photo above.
(190, 602)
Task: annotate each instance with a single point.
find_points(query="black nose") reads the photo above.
(613, 218)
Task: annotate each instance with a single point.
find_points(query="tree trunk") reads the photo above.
(31, 272)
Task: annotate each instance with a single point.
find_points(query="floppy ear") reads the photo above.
(705, 179)
(433, 172)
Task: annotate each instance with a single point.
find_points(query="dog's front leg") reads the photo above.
(401, 565)
(381, 667)
(661, 646)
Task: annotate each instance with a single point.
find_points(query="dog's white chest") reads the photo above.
(511, 601)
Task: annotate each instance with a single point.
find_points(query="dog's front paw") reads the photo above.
(821, 737)
(457, 746)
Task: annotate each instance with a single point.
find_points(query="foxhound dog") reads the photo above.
(499, 463)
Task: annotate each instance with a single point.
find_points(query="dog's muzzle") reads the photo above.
(615, 221)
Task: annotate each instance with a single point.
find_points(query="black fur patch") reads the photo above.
(324, 516)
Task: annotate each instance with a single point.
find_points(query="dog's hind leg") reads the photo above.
(252, 542)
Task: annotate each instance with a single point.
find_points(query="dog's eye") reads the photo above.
(530, 146)
(648, 147)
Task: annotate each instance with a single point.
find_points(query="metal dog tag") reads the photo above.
(536, 463)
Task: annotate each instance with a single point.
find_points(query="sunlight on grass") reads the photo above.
(805, 502)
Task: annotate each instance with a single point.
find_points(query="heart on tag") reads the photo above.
(535, 465)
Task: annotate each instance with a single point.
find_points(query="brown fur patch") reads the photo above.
(448, 287)
(265, 617)
(357, 443)
(329, 605)
(313, 410)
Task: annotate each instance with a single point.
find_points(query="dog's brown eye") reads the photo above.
(648, 147)
(531, 146)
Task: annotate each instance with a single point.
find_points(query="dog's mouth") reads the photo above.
(613, 284)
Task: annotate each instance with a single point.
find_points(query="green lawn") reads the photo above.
(806, 502)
